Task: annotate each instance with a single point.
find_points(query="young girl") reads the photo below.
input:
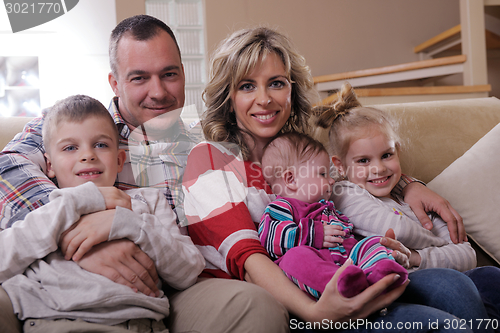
(304, 233)
(365, 150)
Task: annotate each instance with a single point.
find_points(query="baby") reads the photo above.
(81, 142)
(304, 233)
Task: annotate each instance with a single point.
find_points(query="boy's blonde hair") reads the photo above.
(348, 121)
(74, 108)
(287, 151)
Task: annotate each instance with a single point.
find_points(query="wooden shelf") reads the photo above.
(436, 90)
(392, 69)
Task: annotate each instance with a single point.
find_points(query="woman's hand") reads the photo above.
(333, 235)
(422, 200)
(333, 306)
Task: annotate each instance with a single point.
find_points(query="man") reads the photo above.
(147, 77)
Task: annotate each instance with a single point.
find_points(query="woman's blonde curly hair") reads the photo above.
(234, 59)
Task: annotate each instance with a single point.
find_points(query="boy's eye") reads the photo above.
(69, 148)
(101, 145)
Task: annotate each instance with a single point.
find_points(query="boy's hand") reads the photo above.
(90, 230)
(114, 197)
(332, 235)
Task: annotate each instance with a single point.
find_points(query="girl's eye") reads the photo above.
(386, 155)
(363, 161)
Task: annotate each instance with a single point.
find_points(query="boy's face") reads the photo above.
(83, 152)
(313, 179)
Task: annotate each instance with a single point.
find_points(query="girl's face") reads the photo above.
(372, 162)
(313, 180)
(262, 101)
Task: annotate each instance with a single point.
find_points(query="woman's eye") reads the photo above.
(246, 87)
(278, 84)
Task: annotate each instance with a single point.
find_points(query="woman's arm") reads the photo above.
(262, 271)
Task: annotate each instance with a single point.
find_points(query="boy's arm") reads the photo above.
(176, 258)
(278, 232)
(38, 234)
(23, 185)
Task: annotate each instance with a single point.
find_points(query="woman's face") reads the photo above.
(262, 99)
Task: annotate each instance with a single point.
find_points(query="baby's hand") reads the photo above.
(332, 235)
(114, 197)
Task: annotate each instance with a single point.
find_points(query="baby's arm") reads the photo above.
(333, 235)
(278, 232)
(176, 258)
(38, 234)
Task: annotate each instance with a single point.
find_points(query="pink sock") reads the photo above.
(352, 281)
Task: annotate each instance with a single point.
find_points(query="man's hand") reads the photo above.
(422, 201)
(123, 262)
(332, 235)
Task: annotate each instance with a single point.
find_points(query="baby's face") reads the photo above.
(85, 151)
(313, 179)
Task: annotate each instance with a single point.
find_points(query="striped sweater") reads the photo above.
(288, 223)
(373, 216)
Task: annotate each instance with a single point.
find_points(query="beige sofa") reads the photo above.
(440, 149)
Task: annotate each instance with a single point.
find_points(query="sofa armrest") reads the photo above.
(9, 127)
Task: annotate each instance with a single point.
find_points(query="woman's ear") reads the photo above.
(289, 180)
(50, 171)
(338, 164)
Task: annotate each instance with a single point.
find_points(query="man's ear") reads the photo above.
(121, 159)
(289, 180)
(338, 164)
(50, 171)
(113, 82)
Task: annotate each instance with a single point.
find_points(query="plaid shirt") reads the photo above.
(25, 187)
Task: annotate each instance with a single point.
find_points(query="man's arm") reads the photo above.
(24, 186)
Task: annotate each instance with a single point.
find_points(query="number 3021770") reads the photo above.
(33, 8)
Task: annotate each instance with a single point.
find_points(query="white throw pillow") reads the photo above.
(472, 185)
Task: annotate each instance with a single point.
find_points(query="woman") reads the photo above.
(259, 87)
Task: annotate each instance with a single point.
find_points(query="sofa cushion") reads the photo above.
(472, 185)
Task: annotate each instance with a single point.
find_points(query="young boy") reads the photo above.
(82, 152)
(304, 233)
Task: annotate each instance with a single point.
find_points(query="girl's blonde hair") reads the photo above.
(348, 120)
(234, 59)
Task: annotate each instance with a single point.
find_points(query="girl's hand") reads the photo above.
(332, 235)
(401, 253)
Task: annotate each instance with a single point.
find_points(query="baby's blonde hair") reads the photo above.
(348, 120)
(286, 151)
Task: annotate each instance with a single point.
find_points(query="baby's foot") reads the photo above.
(352, 281)
(385, 267)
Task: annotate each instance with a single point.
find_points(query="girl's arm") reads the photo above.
(372, 216)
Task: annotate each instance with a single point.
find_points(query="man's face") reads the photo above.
(150, 83)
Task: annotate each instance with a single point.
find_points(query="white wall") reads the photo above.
(72, 50)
